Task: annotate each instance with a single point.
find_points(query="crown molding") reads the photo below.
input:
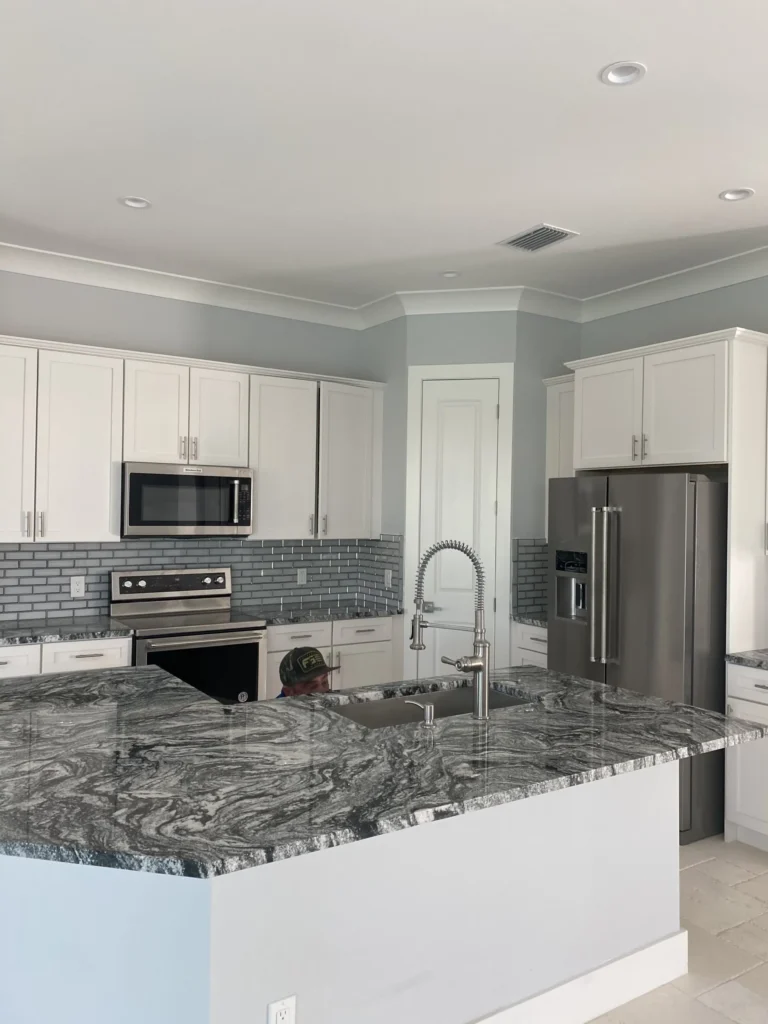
(730, 334)
(564, 378)
(722, 273)
(97, 273)
(745, 266)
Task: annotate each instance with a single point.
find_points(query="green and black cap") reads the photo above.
(301, 665)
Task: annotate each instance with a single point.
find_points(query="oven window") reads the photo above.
(229, 674)
(155, 499)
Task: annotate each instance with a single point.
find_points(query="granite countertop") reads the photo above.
(45, 631)
(530, 620)
(131, 768)
(286, 617)
(749, 659)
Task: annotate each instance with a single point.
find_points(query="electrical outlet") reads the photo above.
(282, 1012)
(77, 586)
(387, 579)
(301, 577)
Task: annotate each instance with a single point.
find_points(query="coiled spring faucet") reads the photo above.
(478, 663)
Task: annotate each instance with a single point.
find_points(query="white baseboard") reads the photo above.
(749, 836)
(593, 994)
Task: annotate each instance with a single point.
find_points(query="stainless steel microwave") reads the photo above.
(186, 501)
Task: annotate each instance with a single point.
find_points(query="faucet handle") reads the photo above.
(450, 661)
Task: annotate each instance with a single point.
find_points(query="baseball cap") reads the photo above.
(301, 665)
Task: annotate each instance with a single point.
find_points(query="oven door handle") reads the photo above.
(218, 641)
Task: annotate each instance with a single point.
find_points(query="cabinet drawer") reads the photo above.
(533, 658)
(81, 655)
(361, 631)
(310, 634)
(530, 638)
(21, 660)
(747, 683)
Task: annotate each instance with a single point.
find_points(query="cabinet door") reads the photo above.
(274, 686)
(79, 447)
(218, 417)
(18, 395)
(283, 455)
(684, 405)
(608, 415)
(362, 665)
(746, 771)
(81, 655)
(21, 660)
(156, 412)
(346, 461)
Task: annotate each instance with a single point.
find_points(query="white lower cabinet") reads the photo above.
(529, 645)
(365, 664)
(746, 766)
(81, 655)
(20, 660)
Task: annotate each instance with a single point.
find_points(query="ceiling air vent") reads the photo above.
(537, 238)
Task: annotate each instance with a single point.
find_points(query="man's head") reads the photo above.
(303, 670)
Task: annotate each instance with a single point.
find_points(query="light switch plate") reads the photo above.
(301, 577)
(388, 579)
(282, 1012)
(77, 586)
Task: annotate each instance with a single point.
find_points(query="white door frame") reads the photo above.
(504, 373)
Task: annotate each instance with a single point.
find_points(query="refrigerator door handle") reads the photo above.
(593, 587)
(607, 606)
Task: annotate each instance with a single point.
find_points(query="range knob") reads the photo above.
(127, 584)
(207, 580)
(142, 583)
(219, 579)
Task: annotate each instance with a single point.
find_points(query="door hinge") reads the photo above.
(495, 508)
(494, 604)
(498, 411)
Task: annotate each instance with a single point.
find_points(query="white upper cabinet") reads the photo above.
(283, 455)
(18, 395)
(156, 412)
(79, 447)
(348, 464)
(218, 417)
(608, 415)
(685, 405)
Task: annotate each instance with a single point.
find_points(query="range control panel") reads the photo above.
(156, 584)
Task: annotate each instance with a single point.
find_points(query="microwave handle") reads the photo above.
(236, 499)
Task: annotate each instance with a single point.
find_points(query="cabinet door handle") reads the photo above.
(183, 447)
(325, 525)
(761, 686)
(338, 659)
(41, 524)
(26, 524)
(634, 447)
(3, 662)
(193, 449)
(312, 525)
(645, 446)
(95, 655)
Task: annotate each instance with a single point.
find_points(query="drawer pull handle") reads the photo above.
(761, 686)
(371, 630)
(4, 662)
(99, 655)
(301, 636)
(538, 640)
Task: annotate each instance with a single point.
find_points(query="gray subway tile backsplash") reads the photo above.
(529, 577)
(34, 578)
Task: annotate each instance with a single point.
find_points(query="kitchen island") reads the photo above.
(168, 859)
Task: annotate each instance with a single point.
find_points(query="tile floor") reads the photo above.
(724, 906)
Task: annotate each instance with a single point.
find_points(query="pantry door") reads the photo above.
(463, 487)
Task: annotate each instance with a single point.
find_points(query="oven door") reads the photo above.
(186, 501)
(230, 667)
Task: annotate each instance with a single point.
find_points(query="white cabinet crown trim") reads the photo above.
(564, 378)
(731, 334)
(162, 357)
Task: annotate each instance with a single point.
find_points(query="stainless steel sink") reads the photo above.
(378, 714)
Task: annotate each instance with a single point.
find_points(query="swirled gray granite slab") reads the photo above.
(44, 631)
(131, 768)
(528, 620)
(749, 659)
(287, 617)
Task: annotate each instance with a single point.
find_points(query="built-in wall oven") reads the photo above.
(183, 621)
(186, 501)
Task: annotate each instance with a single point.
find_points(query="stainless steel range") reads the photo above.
(183, 621)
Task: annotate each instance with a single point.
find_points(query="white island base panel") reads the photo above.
(557, 907)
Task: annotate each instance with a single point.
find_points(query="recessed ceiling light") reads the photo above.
(623, 72)
(733, 195)
(135, 202)
(450, 273)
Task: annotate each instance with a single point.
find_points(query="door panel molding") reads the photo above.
(504, 373)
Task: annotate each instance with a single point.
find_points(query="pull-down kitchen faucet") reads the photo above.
(479, 661)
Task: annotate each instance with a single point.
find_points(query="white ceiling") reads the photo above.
(341, 151)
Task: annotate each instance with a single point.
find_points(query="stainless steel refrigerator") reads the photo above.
(637, 577)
